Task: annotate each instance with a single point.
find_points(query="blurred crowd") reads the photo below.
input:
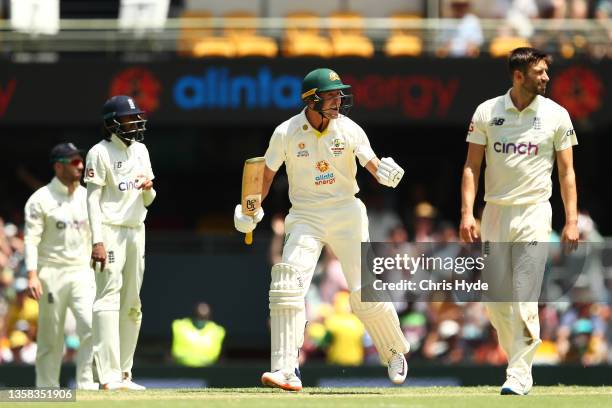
(575, 327)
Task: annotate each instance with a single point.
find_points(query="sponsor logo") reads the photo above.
(516, 148)
(337, 147)
(327, 178)
(252, 201)
(537, 123)
(128, 185)
(61, 225)
(218, 88)
(497, 122)
(6, 95)
(302, 152)
(141, 84)
(333, 76)
(322, 166)
(90, 173)
(580, 90)
(569, 133)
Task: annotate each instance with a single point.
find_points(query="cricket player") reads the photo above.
(119, 189)
(521, 134)
(319, 147)
(57, 248)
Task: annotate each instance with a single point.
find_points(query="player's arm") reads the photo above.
(146, 182)
(98, 252)
(567, 183)
(386, 171)
(34, 227)
(469, 188)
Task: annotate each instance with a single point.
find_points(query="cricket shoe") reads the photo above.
(114, 386)
(284, 379)
(398, 368)
(131, 385)
(92, 386)
(513, 386)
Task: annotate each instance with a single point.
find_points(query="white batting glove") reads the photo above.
(389, 173)
(246, 223)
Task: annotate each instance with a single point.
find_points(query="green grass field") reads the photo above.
(414, 397)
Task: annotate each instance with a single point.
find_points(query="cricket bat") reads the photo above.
(252, 186)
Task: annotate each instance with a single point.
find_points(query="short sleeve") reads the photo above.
(34, 228)
(565, 136)
(477, 131)
(95, 171)
(363, 150)
(275, 155)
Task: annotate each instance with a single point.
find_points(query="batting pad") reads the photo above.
(381, 321)
(287, 316)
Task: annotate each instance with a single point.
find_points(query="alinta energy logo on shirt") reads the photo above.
(516, 148)
(326, 177)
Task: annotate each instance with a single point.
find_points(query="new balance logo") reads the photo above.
(533, 243)
(497, 122)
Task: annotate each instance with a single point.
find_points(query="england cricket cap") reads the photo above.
(120, 105)
(64, 150)
(321, 80)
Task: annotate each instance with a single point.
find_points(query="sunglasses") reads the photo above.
(73, 162)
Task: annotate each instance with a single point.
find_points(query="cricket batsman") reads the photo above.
(119, 189)
(520, 133)
(57, 247)
(318, 147)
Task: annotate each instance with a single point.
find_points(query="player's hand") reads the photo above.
(246, 223)
(34, 287)
(468, 229)
(144, 183)
(389, 173)
(98, 255)
(569, 237)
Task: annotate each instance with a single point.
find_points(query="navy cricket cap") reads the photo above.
(120, 105)
(64, 150)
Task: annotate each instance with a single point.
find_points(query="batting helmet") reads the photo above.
(324, 80)
(122, 105)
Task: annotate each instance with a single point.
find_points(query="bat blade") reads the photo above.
(252, 186)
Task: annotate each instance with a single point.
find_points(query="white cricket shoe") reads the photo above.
(113, 386)
(93, 386)
(398, 368)
(514, 386)
(131, 385)
(284, 379)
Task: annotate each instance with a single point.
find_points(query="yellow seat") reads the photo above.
(243, 33)
(302, 37)
(349, 40)
(214, 47)
(502, 46)
(403, 45)
(189, 32)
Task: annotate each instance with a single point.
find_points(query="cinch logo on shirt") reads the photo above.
(127, 185)
(513, 148)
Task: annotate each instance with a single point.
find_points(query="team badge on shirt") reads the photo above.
(322, 166)
(302, 152)
(337, 147)
(537, 123)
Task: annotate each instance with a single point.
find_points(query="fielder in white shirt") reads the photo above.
(57, 247)
(319, 147)
(521, 134)
(119, 189)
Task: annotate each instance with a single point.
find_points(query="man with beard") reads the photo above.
(521, 133)
(57, 247)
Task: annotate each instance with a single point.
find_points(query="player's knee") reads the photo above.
(286, 287)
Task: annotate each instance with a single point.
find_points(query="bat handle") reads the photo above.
(248, 238)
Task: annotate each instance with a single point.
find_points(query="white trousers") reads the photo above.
(117, 309)
(522, 232)
(63, 288)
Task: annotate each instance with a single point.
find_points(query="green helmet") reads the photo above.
(321, 80)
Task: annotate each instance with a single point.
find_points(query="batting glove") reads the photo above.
(389, 173)
(246, 223)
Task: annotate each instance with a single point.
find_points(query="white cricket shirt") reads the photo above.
(520, 147)
(116, 167)
(321, 167)
(56, 227)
